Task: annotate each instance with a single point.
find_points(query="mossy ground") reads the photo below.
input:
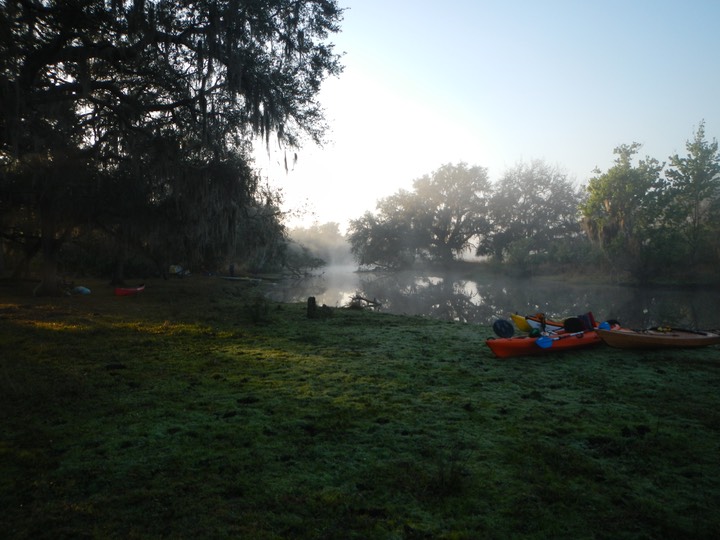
(195, 410)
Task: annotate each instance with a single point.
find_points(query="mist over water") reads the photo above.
(493, 296)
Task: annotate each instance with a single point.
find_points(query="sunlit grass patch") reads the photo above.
(59, 326)
(167, 328)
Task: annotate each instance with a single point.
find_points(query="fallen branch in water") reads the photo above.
(357, 302)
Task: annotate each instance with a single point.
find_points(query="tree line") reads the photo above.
(641, 219)
(126, 128)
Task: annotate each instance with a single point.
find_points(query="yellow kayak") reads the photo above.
(521, 322)
(526, 323)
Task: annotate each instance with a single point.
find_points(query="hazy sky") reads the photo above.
(496, 82)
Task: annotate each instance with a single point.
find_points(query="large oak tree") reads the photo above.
(442, 217)
(148, 99)
(533, 205)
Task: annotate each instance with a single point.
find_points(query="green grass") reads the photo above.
(192, 411)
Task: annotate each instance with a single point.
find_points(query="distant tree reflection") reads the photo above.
(492, 296)
(439, 298)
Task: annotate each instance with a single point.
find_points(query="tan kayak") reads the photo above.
(657, 338)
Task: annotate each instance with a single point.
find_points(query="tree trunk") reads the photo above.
(22, 269)
(49, 284)
(49, 247)
(118, 277)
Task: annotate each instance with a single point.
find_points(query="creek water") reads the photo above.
(491, 296)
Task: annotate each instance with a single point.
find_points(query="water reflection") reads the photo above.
(490, 296)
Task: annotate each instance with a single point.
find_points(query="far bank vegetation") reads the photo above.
(640, 221)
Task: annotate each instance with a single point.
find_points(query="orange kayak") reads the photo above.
(526, 345)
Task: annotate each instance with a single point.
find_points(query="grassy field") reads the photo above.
(196, 410)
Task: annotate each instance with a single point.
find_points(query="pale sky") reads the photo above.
(497, 82)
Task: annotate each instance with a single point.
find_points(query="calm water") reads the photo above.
(494, 296)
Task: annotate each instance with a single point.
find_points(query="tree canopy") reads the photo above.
(623, 207)
(141, 112)
(651, 220)
(694, 195)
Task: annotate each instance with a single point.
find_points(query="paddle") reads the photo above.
(546, 342)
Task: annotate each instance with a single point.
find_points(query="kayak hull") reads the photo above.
(624, 338)
(528, 346)
(128, 291)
